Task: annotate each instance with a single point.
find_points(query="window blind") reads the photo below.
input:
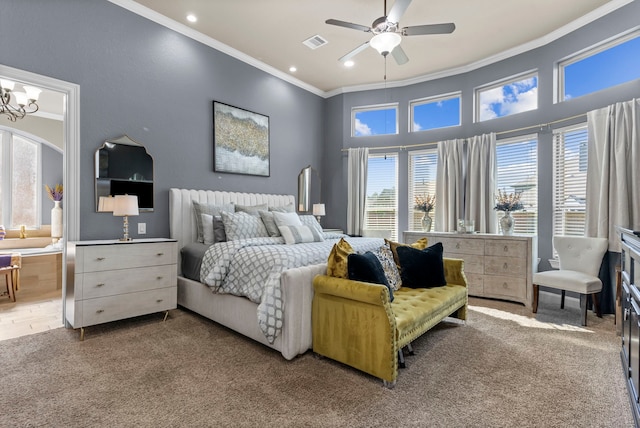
(381, 211)
(569, 180)
(422, 182)
(517, 171)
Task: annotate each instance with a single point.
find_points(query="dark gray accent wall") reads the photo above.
(139, 78)
(542, 59)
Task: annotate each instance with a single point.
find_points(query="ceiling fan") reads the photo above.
(387, 32)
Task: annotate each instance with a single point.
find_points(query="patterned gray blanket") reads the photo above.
(252, 268)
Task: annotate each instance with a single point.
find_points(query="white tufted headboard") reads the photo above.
(182, 222)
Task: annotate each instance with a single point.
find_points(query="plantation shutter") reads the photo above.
(569, 180)
(517, 171)
(381, 212)
(422, 181)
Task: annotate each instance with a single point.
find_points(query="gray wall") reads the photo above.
(338, 108)
(141, 79)
(51, 175)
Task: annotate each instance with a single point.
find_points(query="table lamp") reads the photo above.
(124, 206)
(318, 211)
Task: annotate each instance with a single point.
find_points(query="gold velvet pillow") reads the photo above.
(337, 262)
(420, 244)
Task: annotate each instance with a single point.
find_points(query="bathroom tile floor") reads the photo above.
(33, 312)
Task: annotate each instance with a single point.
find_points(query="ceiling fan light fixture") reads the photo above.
(385, 42)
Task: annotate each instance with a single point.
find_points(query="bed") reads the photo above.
(239, 313)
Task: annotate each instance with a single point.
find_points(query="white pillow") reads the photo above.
(311, 221)
(286, 219)
(299, 234)
(243, 226)
(207, 229)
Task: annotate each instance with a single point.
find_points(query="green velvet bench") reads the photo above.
(355, 323)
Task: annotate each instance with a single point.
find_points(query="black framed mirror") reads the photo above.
(123, 166)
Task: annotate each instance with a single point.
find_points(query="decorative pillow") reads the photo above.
(420, 244)
(367, 268)
(422, 268)
(269, 223)
(311, 221)
(299, 234)
(212, 229)
(286, 219)
(337, 261)
(242, 226)
(251, 209)
(289, 208)
(391, 272)
(211, 209)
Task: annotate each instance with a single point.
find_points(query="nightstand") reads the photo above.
(332, 230)
(113, 280)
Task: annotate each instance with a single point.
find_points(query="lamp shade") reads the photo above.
(385, 42)
(124, 205)
(318, 209)
(105, 204)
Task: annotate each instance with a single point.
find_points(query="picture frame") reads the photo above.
(240, 141)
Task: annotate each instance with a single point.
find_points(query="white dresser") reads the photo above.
(496, 266)
(113, 280)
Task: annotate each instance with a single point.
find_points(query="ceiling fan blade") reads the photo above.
(399, 55)
(418, 30)
(348, 25)
(398, 9)
(354, 52)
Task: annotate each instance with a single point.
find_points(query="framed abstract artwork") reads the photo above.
(240, 141)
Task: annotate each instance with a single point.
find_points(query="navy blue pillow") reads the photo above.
(367, 268)
(421, 268)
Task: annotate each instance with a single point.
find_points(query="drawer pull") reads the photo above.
(159, 277)
(458, 246)
(159, 300)
(100, 285)
(99, 311)
(505, 266)
(506, 248)
(505, 285)
(160, 254)
(100, 259)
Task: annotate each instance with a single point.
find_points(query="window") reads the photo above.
(569, 180)
(19, 181)
(435, 112)
(381, 211)
(517, 166)
(374, 120)
(423, 165)
(600, 67)
(507, 97)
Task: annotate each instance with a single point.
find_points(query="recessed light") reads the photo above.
(349, 64)
(192, 18)
(293, 69)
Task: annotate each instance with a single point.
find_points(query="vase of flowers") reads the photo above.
(55, 194)
(507, 203)
(425, 203)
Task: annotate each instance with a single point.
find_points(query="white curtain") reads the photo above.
(358, 162)
(449, 185)
(613, 178)
(481, 182)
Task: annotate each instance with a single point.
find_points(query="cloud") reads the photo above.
(362, 129)
(509, 99)
(416, 126)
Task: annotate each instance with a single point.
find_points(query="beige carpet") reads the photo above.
(502, 369)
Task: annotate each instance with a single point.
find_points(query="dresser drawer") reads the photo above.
(464, 246)
(505, 266)
(109, 257)
(504, 248)
(475, 284)
(505, 286)
(472, 263)
(112, 308)
(100, 284)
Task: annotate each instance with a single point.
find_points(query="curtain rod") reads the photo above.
(539, 126)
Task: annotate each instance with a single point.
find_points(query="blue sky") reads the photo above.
(611, 67)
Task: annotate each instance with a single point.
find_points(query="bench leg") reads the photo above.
(388, 385)
(401, 362)
(410, 349)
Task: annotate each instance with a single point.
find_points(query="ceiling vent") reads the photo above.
(315, 42)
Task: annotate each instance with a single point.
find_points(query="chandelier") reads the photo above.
(24, 102)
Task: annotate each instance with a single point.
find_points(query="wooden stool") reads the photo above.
(11, 279)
